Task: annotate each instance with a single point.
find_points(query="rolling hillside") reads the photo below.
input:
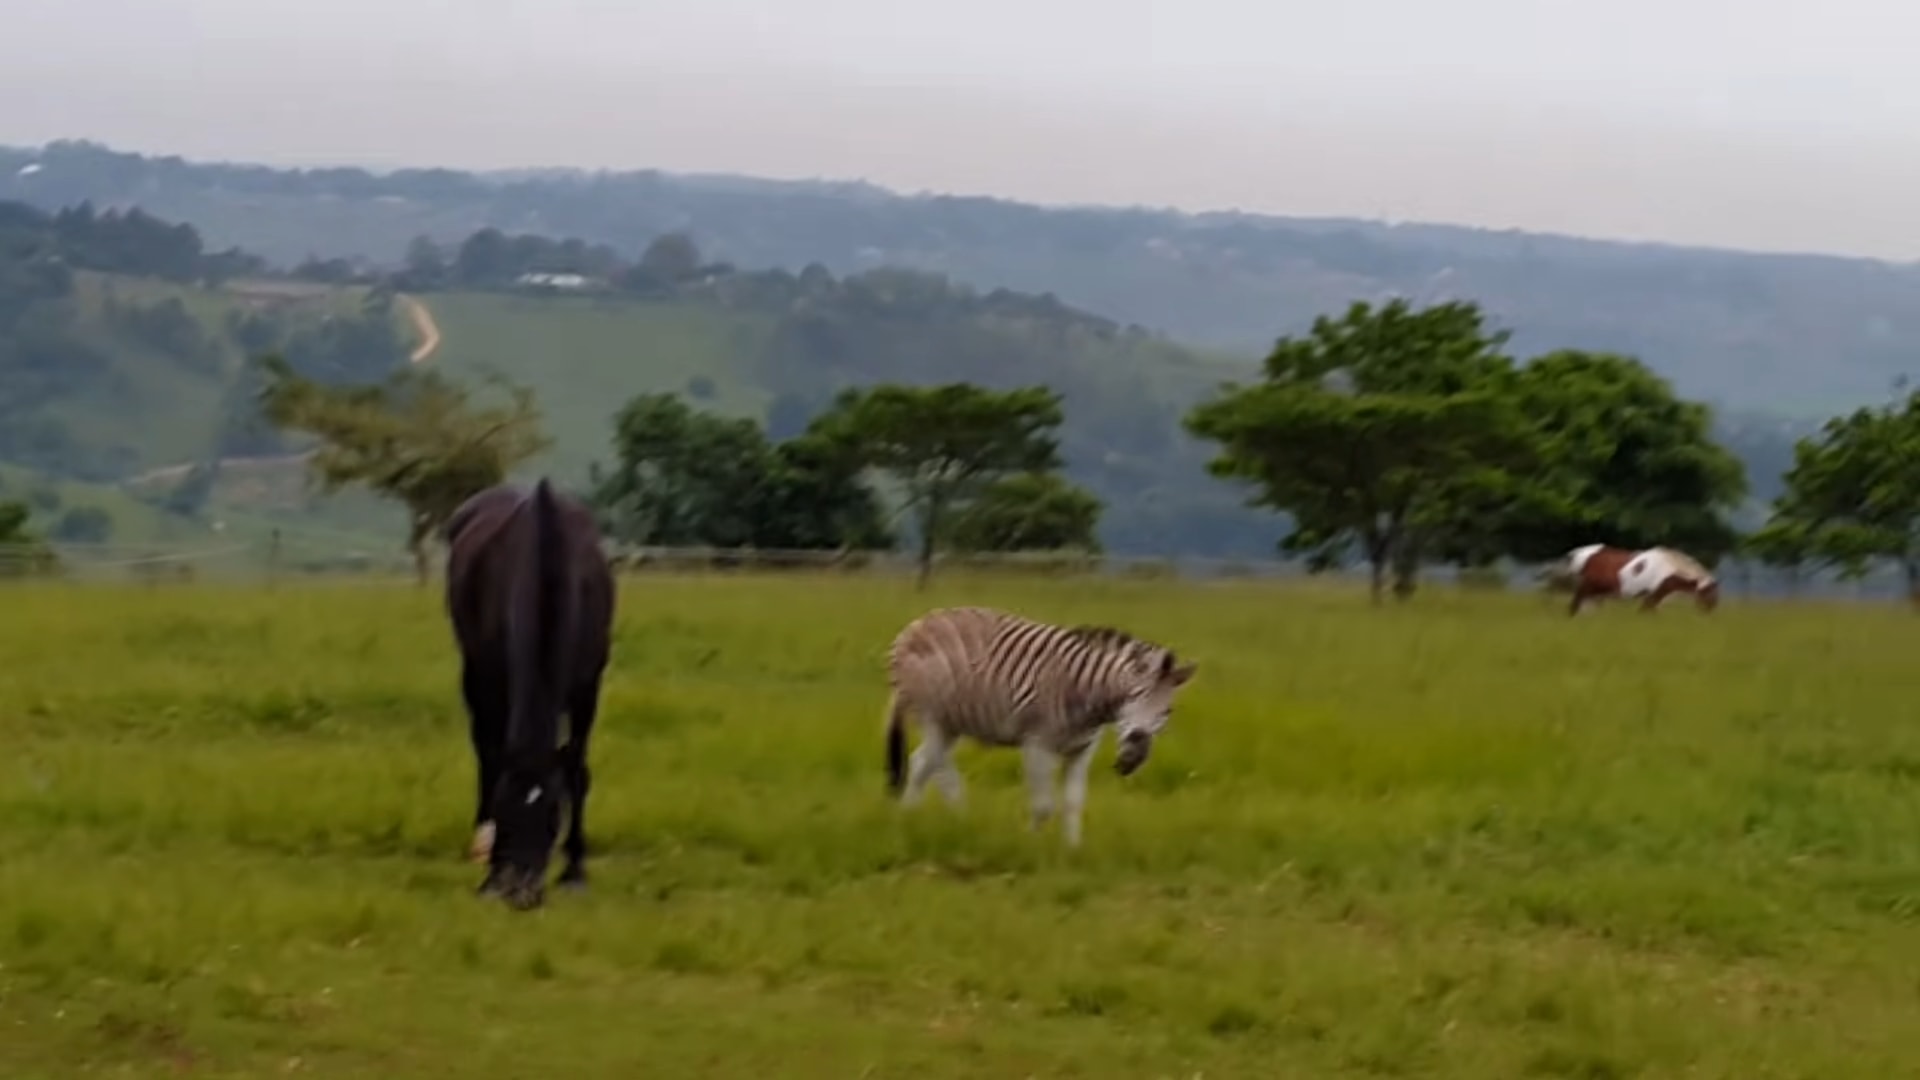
(1798, 335)
(128, 370)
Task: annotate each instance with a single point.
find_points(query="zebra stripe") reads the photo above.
(1005, 680)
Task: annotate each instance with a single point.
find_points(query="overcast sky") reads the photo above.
(1747, 123)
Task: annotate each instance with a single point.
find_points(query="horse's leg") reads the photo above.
(1659, 593)
(580, 714)
(486, 701)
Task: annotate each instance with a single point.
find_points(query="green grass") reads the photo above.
(585, 357)
(133, 520)
(156, 410)
(1470, 838)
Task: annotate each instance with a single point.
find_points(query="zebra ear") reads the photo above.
(1178, 676)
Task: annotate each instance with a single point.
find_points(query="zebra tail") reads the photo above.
(896, 744)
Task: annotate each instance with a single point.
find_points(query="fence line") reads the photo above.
(293, 555)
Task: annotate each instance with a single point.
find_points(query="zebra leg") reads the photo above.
(947, 774)
(928, 758)
(1076, 794)
(1041, 766)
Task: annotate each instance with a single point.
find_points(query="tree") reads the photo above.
(1783, 544)
(681, 477)
(685, 477)
(670, 258)
(1371, 430)
(22, 552)
(84, 525)
(1031, 511)
(815, 499)
(416, 438)
(944, 444)
(1853, 494)
(1622, 459)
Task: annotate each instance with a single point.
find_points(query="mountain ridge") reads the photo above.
(1804, 335)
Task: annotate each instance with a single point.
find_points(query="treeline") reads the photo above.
(672, 265)
(1395, 437)
(1398, 437)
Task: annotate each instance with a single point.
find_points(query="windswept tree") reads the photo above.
(1782, 544)
(944, 445)
(1853, 494)
(1367, 431)
(416, 438)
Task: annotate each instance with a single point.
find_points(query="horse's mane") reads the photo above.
(1687, 567)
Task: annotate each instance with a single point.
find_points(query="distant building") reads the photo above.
(553, 281)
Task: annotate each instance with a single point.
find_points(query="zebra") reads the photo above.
(1005, 680)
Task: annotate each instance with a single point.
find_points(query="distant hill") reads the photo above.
(122, 337)
(109, 376)
(1802, 336)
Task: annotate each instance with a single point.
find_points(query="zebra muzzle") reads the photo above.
(1134, 747)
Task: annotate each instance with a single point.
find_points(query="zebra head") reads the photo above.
(1152, 675)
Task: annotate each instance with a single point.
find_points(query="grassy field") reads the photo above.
(585, 357)
(1469, 838)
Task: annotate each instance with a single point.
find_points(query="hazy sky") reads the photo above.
(1756, 123)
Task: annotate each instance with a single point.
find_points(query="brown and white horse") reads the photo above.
(1599, 571)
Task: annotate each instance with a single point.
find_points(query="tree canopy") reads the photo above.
(22, 551)
(686, 477)
(1853, 494)
(1029, 511)
(943, 445)
(1367, 430)
(416, 438)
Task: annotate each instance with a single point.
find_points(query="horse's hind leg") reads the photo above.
(487, 728)
(581, 709)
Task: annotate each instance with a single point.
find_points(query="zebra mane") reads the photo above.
(1105, 637)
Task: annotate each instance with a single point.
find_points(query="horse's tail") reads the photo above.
(896, 742)
(541, 623)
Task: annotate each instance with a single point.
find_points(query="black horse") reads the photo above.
(531, 601)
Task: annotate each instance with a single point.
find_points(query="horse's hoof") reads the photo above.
(481, 849)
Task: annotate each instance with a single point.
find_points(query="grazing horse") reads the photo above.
(531, 602)
(1597, 571)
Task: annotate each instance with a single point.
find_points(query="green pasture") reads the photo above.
(1468, 837)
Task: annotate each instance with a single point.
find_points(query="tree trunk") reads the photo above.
(929, 528)
(1406, 569)
(1911, 565)
(1377, 552)
(417, 547)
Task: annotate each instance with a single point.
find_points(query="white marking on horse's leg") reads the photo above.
(1041, 766)
(481, 849)
(1076, 794)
